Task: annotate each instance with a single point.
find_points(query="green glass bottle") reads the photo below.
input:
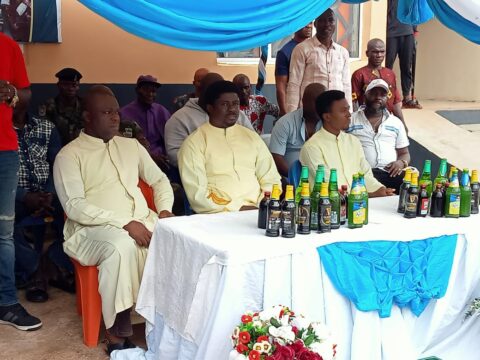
(426, 178)
(465, 194)
(334, 196)
(475, 192)
(315, 197)
(450, 173)
(303, 179)
(324, 210)
(304, 207)
(356, 211)
(441, 175)
(452, 197)
(402, 196)
(361, 179)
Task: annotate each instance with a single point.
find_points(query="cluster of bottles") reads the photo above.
(445, 196)
(326, 208)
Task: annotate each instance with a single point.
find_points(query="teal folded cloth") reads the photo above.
(374, 275)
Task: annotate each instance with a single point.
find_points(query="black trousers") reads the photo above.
(403, 46)
(389, 182)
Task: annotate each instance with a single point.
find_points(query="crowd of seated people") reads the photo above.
(82, 158)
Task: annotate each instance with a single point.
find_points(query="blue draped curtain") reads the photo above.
(226, 25)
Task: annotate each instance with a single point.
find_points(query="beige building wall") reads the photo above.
(447, 65)
(104, 53)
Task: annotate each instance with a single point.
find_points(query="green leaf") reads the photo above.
(309, 340)
(275, 322)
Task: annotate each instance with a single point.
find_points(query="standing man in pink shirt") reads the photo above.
(319, 60)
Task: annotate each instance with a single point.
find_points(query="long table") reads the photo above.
(204, 271)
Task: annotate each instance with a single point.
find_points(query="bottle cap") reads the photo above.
(344, 187)
(324, 190)
(414, 179)
(275, 192)
(427, 166)
(474, 176)
(267, 193)
(304, 174)
(305, 189)
(333, 175)
(408, 175)
(320, 174)
(289, 193)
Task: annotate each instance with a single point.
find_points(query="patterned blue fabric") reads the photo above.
(374, 275)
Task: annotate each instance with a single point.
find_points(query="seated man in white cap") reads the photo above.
(383, 136)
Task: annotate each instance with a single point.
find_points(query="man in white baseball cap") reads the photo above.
(383, 136)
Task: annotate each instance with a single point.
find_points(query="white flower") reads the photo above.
(235, 355)
(283, 332)
(267, 347)
(258, 346)
(325, 349)
(320, 330)
(300, 322)
(274, 312)
(285, 320)
(236, 332)
(257, 323)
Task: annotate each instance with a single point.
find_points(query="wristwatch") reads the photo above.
(14, 99)
(405, 163)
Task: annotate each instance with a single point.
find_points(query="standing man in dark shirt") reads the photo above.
(401, 41)
(282, 65)
(65, 110)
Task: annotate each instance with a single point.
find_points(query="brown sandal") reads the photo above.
(411, 104)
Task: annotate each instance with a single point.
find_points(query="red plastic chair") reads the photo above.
(89, 302)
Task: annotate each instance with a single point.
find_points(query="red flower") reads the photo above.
(309, 355)
(246, 319)
(295, 330)
(284, 353)
(298, 347)
(254, 355)
(281, 313)
(262, 338)
(241, 348)
(244, 337)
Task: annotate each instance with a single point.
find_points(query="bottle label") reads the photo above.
(274, 220)
(424, 206)
(454, 206)
(304, 216)
(314, 218)
(343, 213)
(325, 218)
(411, 204)
(334, 217)
(287, 221)
(358, 213)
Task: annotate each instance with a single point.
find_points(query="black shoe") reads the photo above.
(65, 283)
(16, 315)
(36, 294)
(127, 344)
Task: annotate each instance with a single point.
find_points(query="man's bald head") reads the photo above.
(242, 82)
(92, 95)
(310, 95)
(101, 113)
(374, 42)
(209, 79)
(375, 53)
(197, 80)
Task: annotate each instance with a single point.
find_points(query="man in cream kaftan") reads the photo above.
(223, 165)
(109, 223)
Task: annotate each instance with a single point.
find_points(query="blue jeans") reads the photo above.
(9, 164)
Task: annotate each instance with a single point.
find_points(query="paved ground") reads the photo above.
(59, 338)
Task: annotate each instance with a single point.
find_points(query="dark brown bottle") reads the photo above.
(412, 198)
(343, 204)
(262, 211)
(438, 202)
(423, 201)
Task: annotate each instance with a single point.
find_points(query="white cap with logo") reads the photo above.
(377, 83)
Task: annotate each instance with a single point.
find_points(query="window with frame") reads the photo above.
(347, 34)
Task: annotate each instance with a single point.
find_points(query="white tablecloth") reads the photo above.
(204, 271)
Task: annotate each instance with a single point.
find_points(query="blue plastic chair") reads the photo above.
(294, 173)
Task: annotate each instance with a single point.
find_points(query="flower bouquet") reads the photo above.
(279, 334)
